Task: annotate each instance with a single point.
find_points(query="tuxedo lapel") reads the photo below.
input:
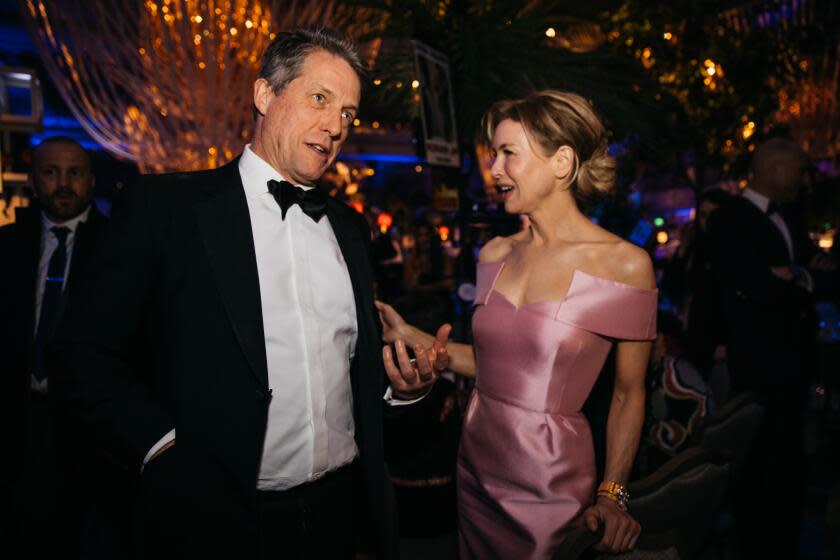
(772, 237)
(84, 248)
(225, 227)
(354, 250)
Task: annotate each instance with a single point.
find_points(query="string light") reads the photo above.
(748, 130)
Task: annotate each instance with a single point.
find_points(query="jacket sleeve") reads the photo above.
(738, 266)
(94, 371)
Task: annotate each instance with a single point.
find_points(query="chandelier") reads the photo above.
(166, 83)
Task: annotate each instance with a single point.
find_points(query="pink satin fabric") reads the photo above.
(526, 465)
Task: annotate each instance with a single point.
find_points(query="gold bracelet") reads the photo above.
(614, 499)
(614, 488)
(614, 491)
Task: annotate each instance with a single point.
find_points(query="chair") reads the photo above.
(732, 432)
(675, 506)
(677, 503)
(733, 429)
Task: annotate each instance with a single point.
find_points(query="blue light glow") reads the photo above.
(384, 158)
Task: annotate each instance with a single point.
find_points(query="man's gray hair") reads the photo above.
(283, 60)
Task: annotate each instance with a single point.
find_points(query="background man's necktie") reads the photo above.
(313, 202)
(51, 303)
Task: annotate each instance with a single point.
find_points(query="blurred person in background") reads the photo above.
(759, 258)
(53, 482)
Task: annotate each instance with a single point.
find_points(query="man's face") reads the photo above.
(303, 127)
(792, 175)
(62, 180)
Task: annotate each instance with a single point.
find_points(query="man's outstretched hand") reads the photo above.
(411, 378)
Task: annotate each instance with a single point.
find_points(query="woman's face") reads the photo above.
(523, 176)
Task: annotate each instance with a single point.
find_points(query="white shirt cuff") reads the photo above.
(389, 398)
(156, 447)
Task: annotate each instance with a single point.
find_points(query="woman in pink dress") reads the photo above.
(552, 300)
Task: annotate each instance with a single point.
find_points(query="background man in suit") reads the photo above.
(263, 412)
(760, 261)
(45, 254)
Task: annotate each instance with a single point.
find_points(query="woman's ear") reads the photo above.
(563, 162)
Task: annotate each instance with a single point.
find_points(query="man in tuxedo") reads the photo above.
(45, 256)
(262, 412)
(759, 259)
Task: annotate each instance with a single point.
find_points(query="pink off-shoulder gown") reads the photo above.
(526, 465)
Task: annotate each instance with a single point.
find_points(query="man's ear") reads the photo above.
(563, 162)
(263, 94)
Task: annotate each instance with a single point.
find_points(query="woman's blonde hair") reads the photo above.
(553, 119)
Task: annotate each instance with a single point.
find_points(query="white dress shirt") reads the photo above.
(49, 243)
(309, 320)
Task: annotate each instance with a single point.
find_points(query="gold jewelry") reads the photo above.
(614, 491)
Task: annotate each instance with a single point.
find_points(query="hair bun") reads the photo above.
(596, 176)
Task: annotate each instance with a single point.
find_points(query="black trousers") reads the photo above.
(310, 521)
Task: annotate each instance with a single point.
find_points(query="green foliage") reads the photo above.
(498, 49)
(676, 43)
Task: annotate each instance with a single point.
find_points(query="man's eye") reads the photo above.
(319, 98)
(347, 115)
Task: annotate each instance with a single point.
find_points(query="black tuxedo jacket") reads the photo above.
(179, 280)
(769, 320)
(20, 250)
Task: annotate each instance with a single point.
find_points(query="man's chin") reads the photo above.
(66, 211)
(311, 177)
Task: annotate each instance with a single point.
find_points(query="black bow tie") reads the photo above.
(313, 202)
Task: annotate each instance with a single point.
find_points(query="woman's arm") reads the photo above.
(627, 409)
(394, 327)
(624, 427)
(626, 416)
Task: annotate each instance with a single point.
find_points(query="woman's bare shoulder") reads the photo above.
(632, 265)
(496, 249)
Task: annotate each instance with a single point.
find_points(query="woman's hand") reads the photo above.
(411, 378)
(393, 325)
(620, 530)
(395, 328)
(448, 355)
